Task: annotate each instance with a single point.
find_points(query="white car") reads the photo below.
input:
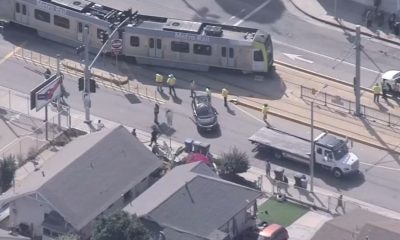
(392, 78)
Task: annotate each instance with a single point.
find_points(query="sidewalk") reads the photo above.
(349, 14)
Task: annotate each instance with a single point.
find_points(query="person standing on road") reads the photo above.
(156, 112)
(268, 169)
(154, 135)
(192, 88)
(159, 82)
(208, 92)
(264, 111)
(340, 203)
(224, 94)
(377, 91)
(171, 81)
(385, 88)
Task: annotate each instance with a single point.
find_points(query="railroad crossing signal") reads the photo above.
(116, 46)
(103, 37)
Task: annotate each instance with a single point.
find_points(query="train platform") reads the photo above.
(345, 15)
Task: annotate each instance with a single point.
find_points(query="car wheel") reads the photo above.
(337, 173)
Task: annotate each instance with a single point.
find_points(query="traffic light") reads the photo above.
(92, 86)
(81, 84)
(103, 37)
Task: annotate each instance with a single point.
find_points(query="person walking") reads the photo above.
(377, 91)
(171, 81)
(154, 135)
(385, 88)
(156, 112)
(47, 74)
(264, 111)
(159, 82)
(340, 203)
(192, 88)
(224, 94)
(133, 132)
(268, 169)
(208, 92)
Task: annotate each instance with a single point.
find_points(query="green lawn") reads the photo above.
(282, 213)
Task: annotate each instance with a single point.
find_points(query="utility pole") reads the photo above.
(58, 99)
(357, 78)
(86, 77)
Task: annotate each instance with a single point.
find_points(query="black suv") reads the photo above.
(204, 114)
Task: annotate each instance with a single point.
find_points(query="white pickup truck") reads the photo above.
(330, 152)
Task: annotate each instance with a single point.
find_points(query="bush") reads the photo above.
(235, 162)
(8, 166)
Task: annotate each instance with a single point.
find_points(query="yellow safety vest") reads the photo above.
(159, 78)
(264, 109)
(224, 92)
(171, 81)
(376, 89)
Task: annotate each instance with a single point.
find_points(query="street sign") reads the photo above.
(116, 44)
(46, 92)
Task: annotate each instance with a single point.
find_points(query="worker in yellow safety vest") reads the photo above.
(171, 81)
(264, 111)
(377, 91)
(208, 92)
(159, 82)
(224, 94)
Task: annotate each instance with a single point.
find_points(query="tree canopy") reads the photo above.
(8, 166)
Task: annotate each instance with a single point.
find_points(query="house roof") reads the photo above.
(89, 174)
(192, 199)
(355, 224)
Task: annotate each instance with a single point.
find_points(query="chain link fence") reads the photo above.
(336, 101)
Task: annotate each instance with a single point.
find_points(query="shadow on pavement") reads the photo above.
(132, 98)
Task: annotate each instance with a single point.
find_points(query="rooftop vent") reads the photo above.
(215, 31)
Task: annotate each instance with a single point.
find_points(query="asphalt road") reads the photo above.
(292, 34)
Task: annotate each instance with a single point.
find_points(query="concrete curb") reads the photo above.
(342, 26)
(117, 82)
(331, 130)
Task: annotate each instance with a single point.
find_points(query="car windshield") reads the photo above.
(341, 151)
(204, 111)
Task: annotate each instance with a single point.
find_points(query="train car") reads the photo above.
(148, 39)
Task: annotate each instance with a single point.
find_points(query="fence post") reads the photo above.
(325, 100)
(146, 92)
(389, 120)
(137, 88)
(301, 91)
(349, 106)
(40, 58)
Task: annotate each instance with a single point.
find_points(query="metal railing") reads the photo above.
(349, 106)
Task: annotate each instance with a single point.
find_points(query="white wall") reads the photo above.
(29, 211)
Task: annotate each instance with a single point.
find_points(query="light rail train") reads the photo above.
(147, 39)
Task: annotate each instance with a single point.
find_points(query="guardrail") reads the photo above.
(349, 106)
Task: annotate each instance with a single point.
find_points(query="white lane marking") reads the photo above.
(323, 56)
(368, 164)
(295, 57)
(252, 12)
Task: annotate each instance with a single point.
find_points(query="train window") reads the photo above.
(231, 55)
(61, 22)
(42, 16)
(202, 49)
(258, 56)
(23, 9)
(17, 8)
(135, 42)
(158, 43)
(151, 42)
(180, 47)
(80, 27)
(223, 51)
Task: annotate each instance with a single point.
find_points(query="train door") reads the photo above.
(258, 60)
(155, 47)
(80, 32)
(21, 13)
(227, 57)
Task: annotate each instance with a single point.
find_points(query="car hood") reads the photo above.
(350, 159)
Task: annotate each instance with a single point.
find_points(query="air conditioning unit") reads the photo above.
(215, 31)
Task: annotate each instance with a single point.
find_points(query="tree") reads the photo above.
(8, 166)
(120, 226)
(234, 162)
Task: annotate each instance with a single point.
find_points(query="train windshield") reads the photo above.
(269, 48)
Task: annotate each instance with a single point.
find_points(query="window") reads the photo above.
(61, 22)
(319, 150)
(23, 9)
(17, 8)
(223, 51)
(46, 232)
(158, 43)
(42, 16)
(202, 49)
(151, 42)
(258, 56)
(135, 41)
(80, 27)
(231, 55)
(180, 47)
